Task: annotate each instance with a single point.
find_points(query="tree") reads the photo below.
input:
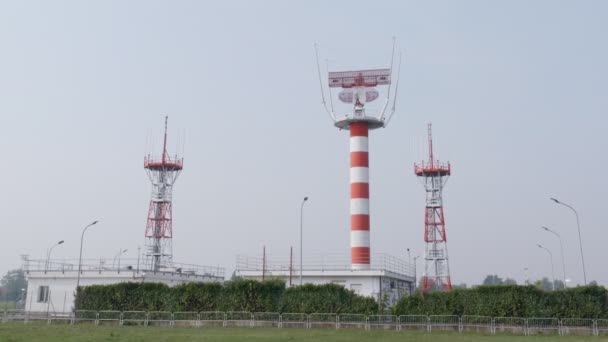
(12, 284)
(492, 279)
(510, 281)
(544, 284)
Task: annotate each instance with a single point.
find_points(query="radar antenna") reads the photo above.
(358, 89)
(330, 112)
(394, 95)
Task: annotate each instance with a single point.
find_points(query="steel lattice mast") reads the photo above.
(434, 175)
(162, 172)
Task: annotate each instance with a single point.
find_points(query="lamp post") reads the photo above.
(301, 225)
(80, 257)
(409, 259)
(580, 242)
(120, 252)
(561, 247)
(551, 258)
(415, 272)
(48, 255)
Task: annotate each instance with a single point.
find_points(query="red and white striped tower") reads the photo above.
(437, 269)
(359, 195)
(358, 88)
(163, 172)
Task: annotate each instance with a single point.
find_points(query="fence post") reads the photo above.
(428, 324)
(460, 327)
(493, 326)
(595, 331)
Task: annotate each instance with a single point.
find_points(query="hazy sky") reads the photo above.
(517, 92)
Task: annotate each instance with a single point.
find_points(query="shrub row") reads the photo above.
(509, 301)
(237, 295)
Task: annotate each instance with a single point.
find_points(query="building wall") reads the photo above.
(62, 285)
(381, 288)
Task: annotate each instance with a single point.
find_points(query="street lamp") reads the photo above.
(409, 259)
(301, 224)
(415, 272)
(80, 257)
(580, 243)
(120, 252)
(561, 247)
(48, 255)
(551, 258)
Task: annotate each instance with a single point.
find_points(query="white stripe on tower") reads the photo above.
(359, 197)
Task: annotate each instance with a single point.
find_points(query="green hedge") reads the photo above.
(510, 301)
(330, 298)
(238, 295)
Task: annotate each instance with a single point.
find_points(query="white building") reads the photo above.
(387, 280)
(52, 284)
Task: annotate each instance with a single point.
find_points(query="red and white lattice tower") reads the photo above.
(434, 174)
(359, 88)
(163, 172)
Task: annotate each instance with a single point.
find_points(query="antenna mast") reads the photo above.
(430, 129)
(163, 173)
(434, 175)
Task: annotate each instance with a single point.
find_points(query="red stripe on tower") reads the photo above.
(359, 196)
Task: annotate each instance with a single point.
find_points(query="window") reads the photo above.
(43, 294)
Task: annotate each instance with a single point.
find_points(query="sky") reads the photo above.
(517, 93)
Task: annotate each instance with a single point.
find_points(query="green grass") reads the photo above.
(13, 332)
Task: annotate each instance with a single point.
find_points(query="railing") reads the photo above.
(325, 262)
(466, 323)
(122, 265)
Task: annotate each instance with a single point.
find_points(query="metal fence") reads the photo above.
(465, 323)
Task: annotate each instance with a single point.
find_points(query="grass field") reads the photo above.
(13, 332)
